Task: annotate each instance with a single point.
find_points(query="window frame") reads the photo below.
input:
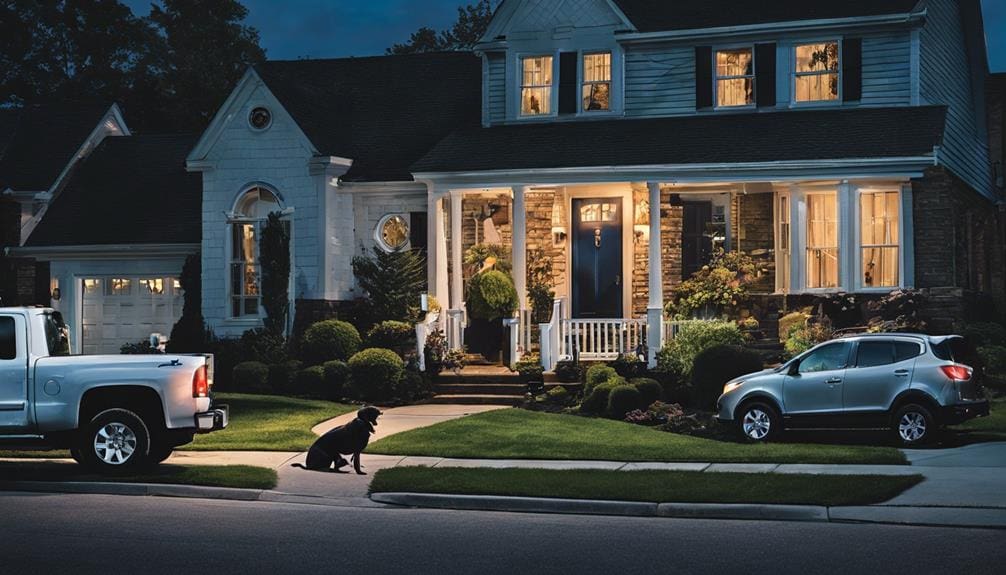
(857, 235)
(234, 219)
(583, 83)
(805, 248)
(553, 92)
(838, 101)
(716, 77)
(379, 232)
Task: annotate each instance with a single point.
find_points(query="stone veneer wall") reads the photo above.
(753, 230)
(670, 251)
(539, 235)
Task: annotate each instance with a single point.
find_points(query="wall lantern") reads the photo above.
(641, 221)
(56, 294)
(558, 221)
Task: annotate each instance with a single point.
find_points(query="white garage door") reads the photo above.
(120, 310)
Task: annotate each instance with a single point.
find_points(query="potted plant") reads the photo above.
(491, 297)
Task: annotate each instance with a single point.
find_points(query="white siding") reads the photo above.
(659, 81)
(945, 80)
(241, 157)
(887, 72)
(495, 86)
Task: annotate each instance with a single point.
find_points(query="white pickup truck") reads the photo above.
(115, 413)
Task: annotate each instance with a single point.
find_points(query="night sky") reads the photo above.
(334, 28)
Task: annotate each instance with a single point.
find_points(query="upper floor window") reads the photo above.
(597, 82)
(735, 77)
(816, 72)
(245, 287)
(536, 86)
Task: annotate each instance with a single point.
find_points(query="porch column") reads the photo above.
(457, 275)
(436, 250)
(519, 245)
(655, 308)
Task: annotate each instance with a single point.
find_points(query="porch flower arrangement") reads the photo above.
(716, 288)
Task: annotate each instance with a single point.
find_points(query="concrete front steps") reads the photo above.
(479, 385)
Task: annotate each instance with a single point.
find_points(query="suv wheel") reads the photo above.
(913, 424)
(759, 422)
(115, 441)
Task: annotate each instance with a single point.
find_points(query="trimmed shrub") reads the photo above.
(568, 372)
(558, 394)
(281, 376)
(994, 358)
(790, 322)
(251, 376)
(491, 296)
(336, 377)
(718, 365)
(328, 340)
(415, 384)
(530, 369)
(693, 338)
(310, 381)
(597, 401)
(396, 335)
(623, 399)
(598, 374)
(139, 348)
(264, 346)
(983, 334)
(376, 373)
(629, 366)
(649, 389)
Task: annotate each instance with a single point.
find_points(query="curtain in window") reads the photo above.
(822, 240)
(879, 226)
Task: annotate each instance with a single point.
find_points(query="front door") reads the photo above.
(597, 258)
(13, 374)
(696, 240)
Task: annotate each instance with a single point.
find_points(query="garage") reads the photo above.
(127, 309)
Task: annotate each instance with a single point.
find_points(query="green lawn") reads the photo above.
(268, 423)
(521, 434)
(651, 486)
(242, 476)
(995, 423)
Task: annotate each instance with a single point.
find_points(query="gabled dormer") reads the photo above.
(547, 60)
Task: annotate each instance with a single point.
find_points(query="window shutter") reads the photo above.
(417, 230)
(765, 75)
(852, 69)
(567, 83)
(703, 77)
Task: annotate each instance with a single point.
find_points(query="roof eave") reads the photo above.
(104, 252)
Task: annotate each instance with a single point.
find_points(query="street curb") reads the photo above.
(882, 514)
(135, 489)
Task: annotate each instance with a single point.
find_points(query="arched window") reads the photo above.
(250, 210)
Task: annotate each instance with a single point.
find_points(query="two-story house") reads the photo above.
(842, 144)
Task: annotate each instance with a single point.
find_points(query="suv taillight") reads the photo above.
(200, 383)
(957, 372)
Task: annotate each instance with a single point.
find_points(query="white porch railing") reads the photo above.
(600, 339)
(671, 329)
(423, 329)
(549, 341)
(456, 328)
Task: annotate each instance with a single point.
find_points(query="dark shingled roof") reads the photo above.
(37, 142)
(382, 112)
(719, 138)
(130, 190)
(662, 15)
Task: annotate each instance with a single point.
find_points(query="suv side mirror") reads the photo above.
(794, 368)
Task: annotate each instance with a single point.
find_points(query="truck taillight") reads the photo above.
(957, 372)
(200, 383)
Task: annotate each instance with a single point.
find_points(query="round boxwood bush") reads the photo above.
(650, 390)
(336, 377)
(716, 366)
(310, 381)
(328, 340)
(597, 400)
(376, 373)
(598, 374)
(568, 371)
(491, 296)
(251, 376)
(281, 376)
(396, 335)
(622, 399)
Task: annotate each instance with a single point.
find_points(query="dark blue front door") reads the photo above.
(597, 258)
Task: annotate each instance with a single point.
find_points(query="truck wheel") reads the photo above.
(115, 441)
(159, 453)
(913, 425)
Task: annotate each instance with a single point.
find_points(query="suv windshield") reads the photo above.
(56, 335)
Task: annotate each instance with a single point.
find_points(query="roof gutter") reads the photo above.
(103, 252)
(773, 27)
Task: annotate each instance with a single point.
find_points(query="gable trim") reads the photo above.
(507, 10)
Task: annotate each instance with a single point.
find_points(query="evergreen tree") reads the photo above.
(393, 282)
(469, 28)
(274, 248)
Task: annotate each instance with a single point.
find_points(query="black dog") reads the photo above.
(349, 439)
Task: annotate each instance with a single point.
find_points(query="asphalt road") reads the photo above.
(41, 533)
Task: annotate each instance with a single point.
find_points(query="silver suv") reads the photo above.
(908, 383)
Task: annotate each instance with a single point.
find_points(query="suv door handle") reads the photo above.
(901, 372)
(834, 380)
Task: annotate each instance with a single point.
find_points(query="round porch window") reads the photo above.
(260, 118)
(392, 232)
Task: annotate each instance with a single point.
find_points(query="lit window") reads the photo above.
(783, 244)
(118, 286)
(599, 213)
(597, 82)
(817, 72)
(251, 210)
(152, 286)
(392, 233)
(92, 286)
(879, 238)
(822, 240)
(734, 77)
(536, 86)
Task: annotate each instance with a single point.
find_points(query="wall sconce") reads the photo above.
(558, 235)
(56, 294)
(558, 220)
(641, 219)
(642, 232)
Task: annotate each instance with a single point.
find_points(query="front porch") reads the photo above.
(613, 251)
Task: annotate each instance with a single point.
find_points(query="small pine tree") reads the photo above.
(274, 249)
(393, 282)
(189, 335)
